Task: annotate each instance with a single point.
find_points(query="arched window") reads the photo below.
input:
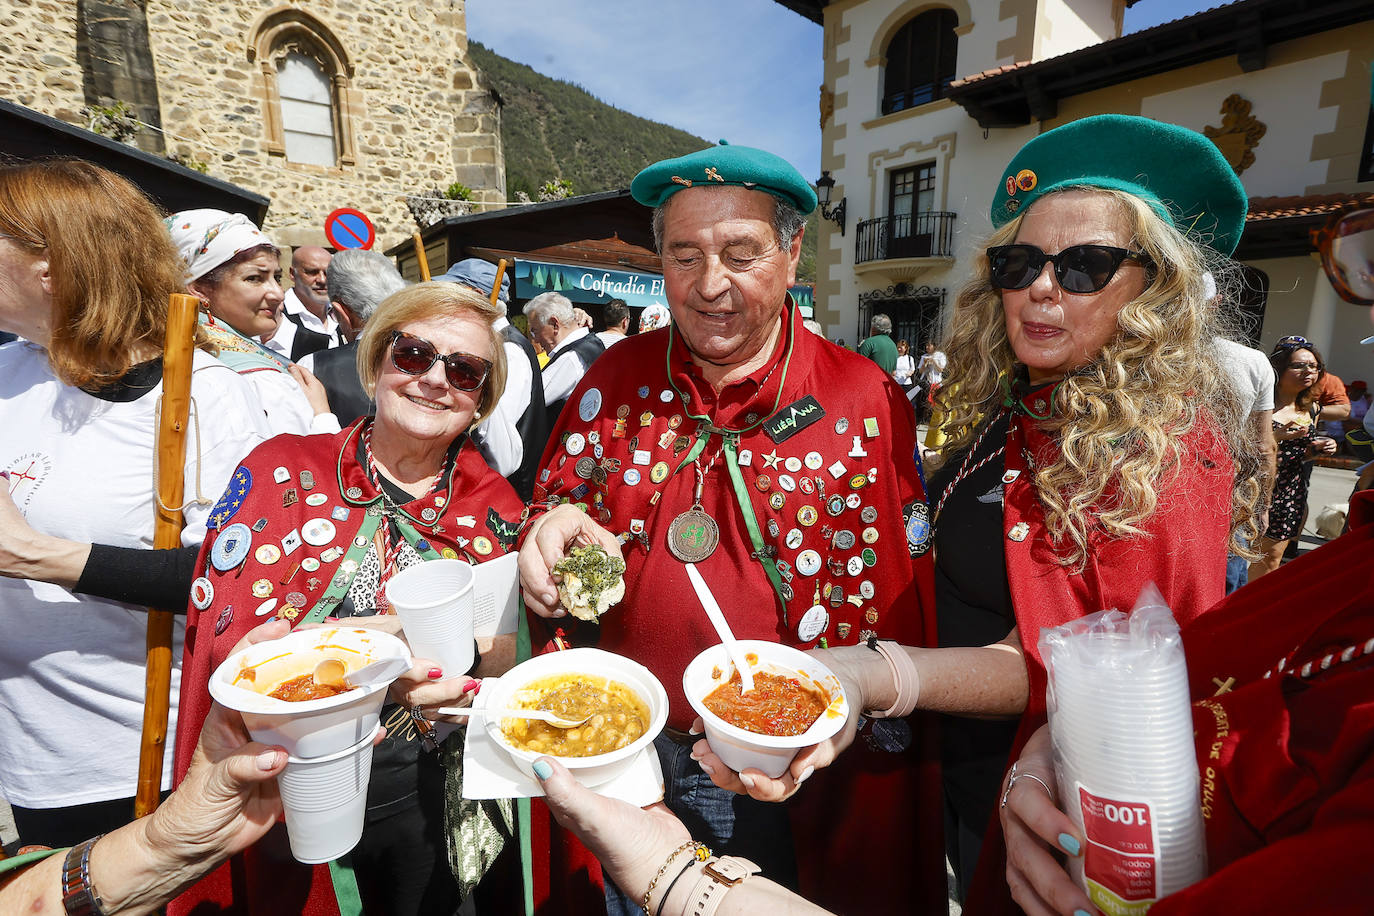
(303, 76)
(920, 61)
(307, 110)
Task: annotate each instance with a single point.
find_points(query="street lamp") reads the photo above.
(824, 185)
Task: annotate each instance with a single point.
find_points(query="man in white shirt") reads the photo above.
(571, 348)
(617, 315)
(307, 321)
(512, 440)
(1253, 378)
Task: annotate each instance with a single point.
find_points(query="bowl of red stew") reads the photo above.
(272, 685)
(796, 702)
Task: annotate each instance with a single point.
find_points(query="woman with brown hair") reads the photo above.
(1298, 373)
(86, 270)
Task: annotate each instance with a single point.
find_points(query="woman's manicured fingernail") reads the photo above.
(267, 760)
(747, 780)
(806, 774)
(1081, 913)
(471, 685)
(435, 673)
(705, 768)
(542, 770)
(1069, 845)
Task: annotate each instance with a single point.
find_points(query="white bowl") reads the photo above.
(313, 728)
(739, 748)
(597, 664)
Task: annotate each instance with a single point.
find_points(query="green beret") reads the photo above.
(1178, 171)
(731, 165)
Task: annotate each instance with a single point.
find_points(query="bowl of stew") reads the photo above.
(272, 685)
(627, 706)
(796, 702)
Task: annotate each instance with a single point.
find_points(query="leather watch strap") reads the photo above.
(716, 879)
(79, 897)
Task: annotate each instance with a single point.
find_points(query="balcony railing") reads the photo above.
(912, 235)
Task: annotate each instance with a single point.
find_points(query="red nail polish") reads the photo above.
(435, 673)
(471, 686)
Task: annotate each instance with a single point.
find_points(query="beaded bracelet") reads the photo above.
(699, 851)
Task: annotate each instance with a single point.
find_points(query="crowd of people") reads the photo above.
(1100, 429)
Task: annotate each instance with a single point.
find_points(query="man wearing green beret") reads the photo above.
(778, 464)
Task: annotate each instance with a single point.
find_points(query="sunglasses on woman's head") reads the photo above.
(415, 356)
(1292, 342)
(1078, 268)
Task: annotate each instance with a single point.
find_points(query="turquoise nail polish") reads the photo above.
(1069, 845)
(544, 771)
(1081, 913)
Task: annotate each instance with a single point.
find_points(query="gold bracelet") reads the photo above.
(699, 851)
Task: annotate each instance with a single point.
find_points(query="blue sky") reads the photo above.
(748, 71)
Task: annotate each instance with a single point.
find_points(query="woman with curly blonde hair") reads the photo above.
(1095, 446)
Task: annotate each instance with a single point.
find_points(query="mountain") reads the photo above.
(554, 129)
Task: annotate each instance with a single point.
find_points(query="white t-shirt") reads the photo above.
(609, 338)
(72, 666)
(562, 376)
(1249, 371)
(285, 406)
(932, 367)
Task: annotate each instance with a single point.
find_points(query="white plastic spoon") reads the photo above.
(334, 672)
(497, 712)
(708, 601)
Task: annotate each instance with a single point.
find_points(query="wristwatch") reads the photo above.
(79, 897)
(716, 879)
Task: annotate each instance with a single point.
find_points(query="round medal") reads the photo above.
(584, 467)
(813, 623)
(482, 545)
(448, 553)
(807, 516)
(794, 538)
(428, 514)
(858, 481)
(806, 486)
(316, 499)
(869, 515)
(632, 476)
(693, 536)
(353, 493)
(202, 593)
(296, 599)
(844, 540)
(814, 460)
(854, 566)
(841, 425)
(763, 482)
(852, 500)
(268, 554)
(262, 588)
(793, 464)
(835, 504)
(665, 395)
(675, 421)
(808, 562)
(869, 556)
(590, 405)
(786, 482)
(319, 531)
(866, 590)
(659, 472)
(777, 500)
(870, 535)
(310, 564)
(575, 443)
(231, 547)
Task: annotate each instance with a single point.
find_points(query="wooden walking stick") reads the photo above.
(496, 287)
(420, 256)
(177, 356)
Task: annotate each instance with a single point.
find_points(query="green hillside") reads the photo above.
(554, 129)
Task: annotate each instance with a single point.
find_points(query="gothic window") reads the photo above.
(920, 61)
(303, 79)
(307, 110)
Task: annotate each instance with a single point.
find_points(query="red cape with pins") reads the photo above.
(825, 461)
(265, 879)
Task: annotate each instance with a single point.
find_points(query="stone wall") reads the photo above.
(414, 114)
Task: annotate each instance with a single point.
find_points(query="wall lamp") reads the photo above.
(824, 185)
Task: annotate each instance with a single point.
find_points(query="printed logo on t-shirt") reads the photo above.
(27, 473)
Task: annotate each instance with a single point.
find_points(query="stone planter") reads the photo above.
(430, 210)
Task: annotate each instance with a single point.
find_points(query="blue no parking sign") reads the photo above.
(349, 228)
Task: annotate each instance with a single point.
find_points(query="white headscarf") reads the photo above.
(208, 238)
(654, 317)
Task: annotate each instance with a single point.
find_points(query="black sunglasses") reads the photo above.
(415, 356)
(1078, 268)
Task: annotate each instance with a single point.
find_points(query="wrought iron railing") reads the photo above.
(912, 235)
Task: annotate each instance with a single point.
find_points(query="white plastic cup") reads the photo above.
(312, 728)
(325, 799)
(739, 748)
(434, 601)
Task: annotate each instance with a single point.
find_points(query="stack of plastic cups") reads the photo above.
(1122, 728)
(434, 601)
(328, 741)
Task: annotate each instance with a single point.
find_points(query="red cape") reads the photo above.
(265, 879)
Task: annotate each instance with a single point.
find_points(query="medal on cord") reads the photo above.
(694, 535)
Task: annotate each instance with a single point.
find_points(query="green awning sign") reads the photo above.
(588, 285)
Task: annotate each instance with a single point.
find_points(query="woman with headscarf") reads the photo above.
(1094, 447)
(235, 270)
(86, 270)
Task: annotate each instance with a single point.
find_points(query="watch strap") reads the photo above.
(79, 896)
(715, 881)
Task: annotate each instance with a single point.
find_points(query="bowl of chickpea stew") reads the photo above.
(625, 705)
